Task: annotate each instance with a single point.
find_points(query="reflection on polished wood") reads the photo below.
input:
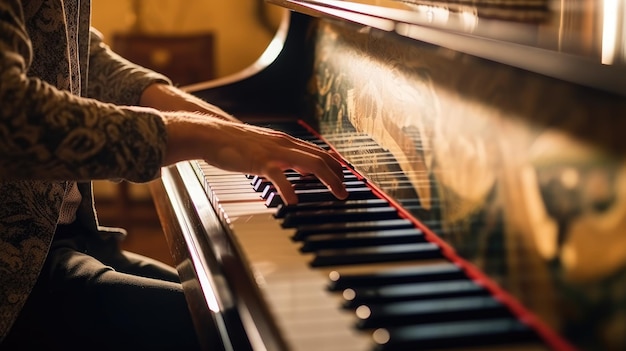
(580, 41)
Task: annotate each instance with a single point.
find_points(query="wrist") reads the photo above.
(165, 97)
(184, 134)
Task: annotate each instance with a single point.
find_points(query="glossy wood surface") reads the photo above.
(580, 41)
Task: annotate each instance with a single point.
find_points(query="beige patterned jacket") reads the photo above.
(53, 130)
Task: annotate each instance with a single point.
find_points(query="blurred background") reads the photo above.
(190, 41)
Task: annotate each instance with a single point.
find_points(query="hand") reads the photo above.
(204, 131)
(249, 149)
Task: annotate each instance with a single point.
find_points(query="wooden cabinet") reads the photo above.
(185, 59)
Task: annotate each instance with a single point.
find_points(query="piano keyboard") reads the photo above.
(356, 274)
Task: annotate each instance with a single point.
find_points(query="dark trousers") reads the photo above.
(93, 296)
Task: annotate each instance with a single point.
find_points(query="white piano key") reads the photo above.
(296, 294)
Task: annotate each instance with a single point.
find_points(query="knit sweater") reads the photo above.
(64, 118)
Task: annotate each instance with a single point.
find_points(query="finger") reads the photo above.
(308, 158)
(307, 146)
(326, 169)
(333, 182)
(335, 155)
(331, 157)
(282, 185)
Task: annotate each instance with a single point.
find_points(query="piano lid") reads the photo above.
(581, 41)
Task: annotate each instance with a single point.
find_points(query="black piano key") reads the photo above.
(321, 144)
(255, 179)
(375, 254)
(339, 215)
(465, 334)
(359, 239)
(316, 184)
(269, 190)
(305, 231)
(307, 136)
(287, 173)
(312, 184)
(291, 127)
(291, 173)
(425, 273)
(411, 292)
(430, 311)
(283, 210)
(319, 195)
(261, 183)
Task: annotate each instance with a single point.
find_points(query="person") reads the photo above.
(73, 111)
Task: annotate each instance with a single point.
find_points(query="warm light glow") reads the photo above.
(435, 14)
(570, 178)
(609, 31)
(334, 276)
(470, 20)
(381, 336)
(210, 298)
(569, 259)
(363, 312)
(349, 294)
(272, 51)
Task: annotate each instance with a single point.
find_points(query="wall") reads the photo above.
(240, 35)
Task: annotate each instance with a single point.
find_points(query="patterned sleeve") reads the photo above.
(50, 134)
(115, 79)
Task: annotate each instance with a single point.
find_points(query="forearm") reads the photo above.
(114, 79)
(165, 97)
(50, 134)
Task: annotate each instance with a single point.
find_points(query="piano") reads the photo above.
(483, 146)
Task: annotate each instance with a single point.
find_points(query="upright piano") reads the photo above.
(483, 145)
